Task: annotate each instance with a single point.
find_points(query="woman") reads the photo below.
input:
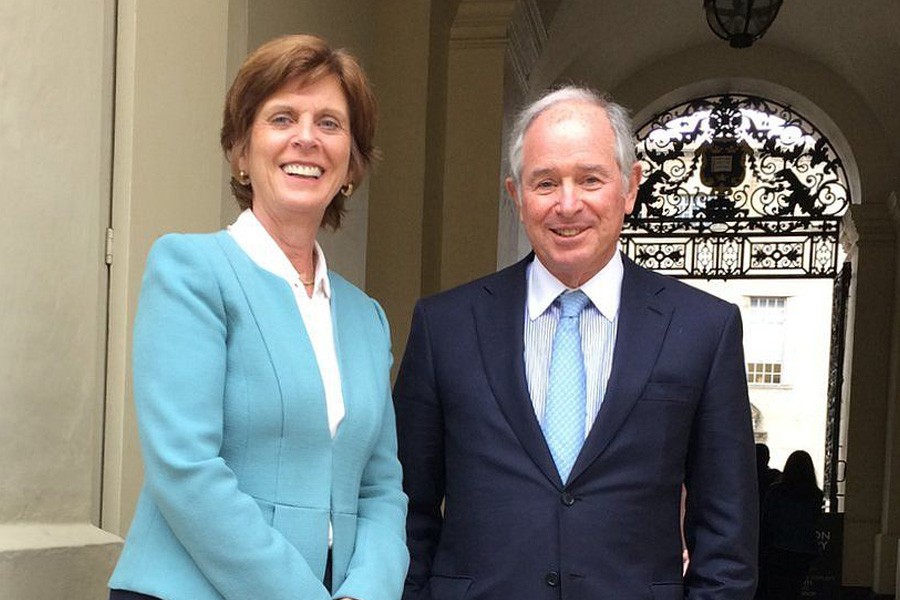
(261, 379)
(788, 542)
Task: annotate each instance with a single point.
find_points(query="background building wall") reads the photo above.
(794, 411)
(115, 106)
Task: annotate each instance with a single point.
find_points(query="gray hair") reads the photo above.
(617, 115)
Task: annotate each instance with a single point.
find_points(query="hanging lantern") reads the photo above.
(740, 22)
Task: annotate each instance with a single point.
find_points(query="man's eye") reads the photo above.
(545, 185)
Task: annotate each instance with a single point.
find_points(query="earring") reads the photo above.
(243, 177)
(347, 190)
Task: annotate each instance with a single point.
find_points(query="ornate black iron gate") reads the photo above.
(833, 473)
(737, 186)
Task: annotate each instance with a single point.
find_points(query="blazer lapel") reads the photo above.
(364, 378)
(643, 320)
(290, 351)
(499, 325)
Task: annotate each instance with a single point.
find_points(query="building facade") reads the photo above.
(109, 118)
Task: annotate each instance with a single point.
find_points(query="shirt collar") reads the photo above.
(603, 289)
(262, 248)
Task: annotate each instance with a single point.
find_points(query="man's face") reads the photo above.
(571, 197)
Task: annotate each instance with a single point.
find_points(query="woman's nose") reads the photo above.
(304, 134)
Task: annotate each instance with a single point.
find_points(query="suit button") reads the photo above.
(552, 579)
(568, 499)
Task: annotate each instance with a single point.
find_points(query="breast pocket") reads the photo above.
(663, 418)
(670, 392)
(667, 591)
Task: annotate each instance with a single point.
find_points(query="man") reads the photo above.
(544, 436)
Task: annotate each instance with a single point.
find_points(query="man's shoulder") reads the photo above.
(672, 289)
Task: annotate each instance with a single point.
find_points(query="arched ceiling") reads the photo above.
(614, 44)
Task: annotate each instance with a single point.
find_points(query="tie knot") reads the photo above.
(572, 303)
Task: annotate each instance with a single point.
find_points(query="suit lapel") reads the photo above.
(499, 324)
(643, 320)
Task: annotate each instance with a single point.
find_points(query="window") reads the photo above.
(764, 339)
(764, 373)
(773, 302)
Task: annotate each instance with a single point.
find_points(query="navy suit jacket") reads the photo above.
(675, 411)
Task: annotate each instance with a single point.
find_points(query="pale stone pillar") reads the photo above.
(472, 169)
(171, 77)
(408, 136)
(887, 567)
(867, 401)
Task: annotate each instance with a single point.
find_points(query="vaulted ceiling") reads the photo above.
(841, 57)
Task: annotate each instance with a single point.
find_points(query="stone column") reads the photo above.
(171, 75)
(867, 402)
(887, 567)
(403, 63)
(473, 154)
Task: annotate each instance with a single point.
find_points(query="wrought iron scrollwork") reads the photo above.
(736, 186)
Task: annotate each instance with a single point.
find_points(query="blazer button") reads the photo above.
(552, 579)
(568, 499)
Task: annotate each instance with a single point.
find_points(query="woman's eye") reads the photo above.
(330, 124)
(281, 120)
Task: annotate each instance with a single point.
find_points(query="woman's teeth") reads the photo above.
(303, 170)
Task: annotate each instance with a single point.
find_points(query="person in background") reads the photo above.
(790, 515)
(548, 414)
(765, 475)
(261, 378)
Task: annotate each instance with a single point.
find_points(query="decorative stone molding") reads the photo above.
(527, 36)
(870, 223)
(874, 222)
(482, 23)
(514, 24)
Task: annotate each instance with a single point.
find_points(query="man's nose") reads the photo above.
(569, 200)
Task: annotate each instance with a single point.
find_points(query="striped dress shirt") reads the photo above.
(598, 325)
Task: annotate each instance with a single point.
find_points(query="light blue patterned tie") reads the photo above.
(564, 411)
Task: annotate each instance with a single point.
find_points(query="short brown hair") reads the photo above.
(306, 58)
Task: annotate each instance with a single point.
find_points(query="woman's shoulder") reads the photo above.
(172, 250)
(347, 290)
(353, 298)
(181, 242)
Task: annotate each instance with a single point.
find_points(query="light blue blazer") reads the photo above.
(241, 473)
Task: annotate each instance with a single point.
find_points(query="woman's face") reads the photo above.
(298, 156)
